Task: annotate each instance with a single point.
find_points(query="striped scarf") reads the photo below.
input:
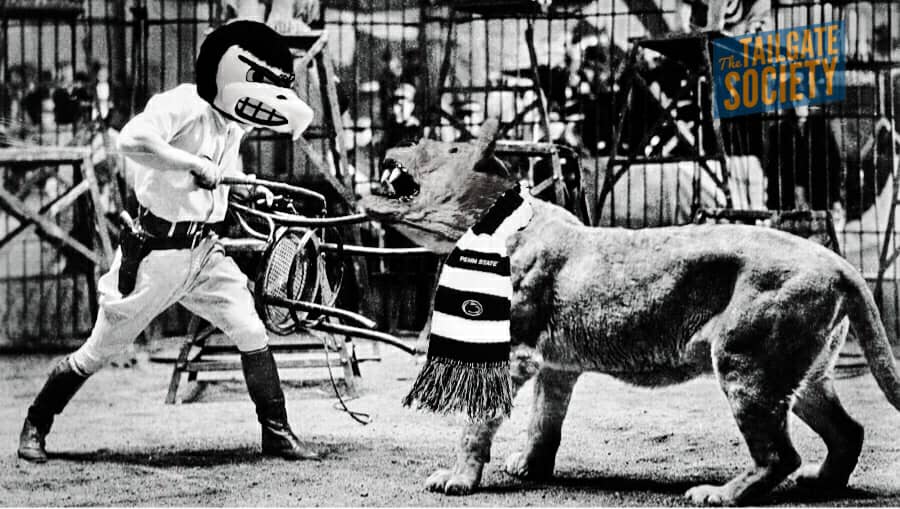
(468, 351)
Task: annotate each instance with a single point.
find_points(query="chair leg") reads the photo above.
(351, 367)
(190, 351)
(177, 372)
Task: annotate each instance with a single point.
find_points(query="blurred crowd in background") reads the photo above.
(53, 106)
(395, 103)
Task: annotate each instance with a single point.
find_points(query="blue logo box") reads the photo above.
(781, 69)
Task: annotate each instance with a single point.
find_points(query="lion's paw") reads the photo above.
(451, 483)
(707, 494)
(808, 475)
(813, 476)
(518, 465)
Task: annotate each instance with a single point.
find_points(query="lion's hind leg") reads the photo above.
(761, 355)
(778, 346)
(819, 407)
(817, 404)
(761, 415)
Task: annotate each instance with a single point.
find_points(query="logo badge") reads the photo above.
(780, 69)
(472, 308)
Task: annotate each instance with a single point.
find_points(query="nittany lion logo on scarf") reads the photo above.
(472, 308)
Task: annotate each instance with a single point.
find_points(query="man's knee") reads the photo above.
(86, 361)
(112, 334)
(249, 337)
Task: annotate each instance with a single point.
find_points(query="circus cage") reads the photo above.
(561, 80)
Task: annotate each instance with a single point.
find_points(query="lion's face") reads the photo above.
(433, 191)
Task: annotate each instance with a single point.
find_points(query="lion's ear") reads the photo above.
(492, 165)
(487, 136)
(487, 143)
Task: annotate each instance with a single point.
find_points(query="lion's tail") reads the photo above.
(872, 337)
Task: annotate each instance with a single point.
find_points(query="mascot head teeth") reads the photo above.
(254, 111)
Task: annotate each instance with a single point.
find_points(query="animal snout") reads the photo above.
(396, 181)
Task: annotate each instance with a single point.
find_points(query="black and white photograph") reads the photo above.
(438, 253)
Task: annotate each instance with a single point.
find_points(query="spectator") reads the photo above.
(83, 97)
(803, 167)
(65, 104)
(415, 73)
(109, 96)
(34, 93)
(400, 86)
(12, 96)
(579, 91)
(103, 92)
(38, 101)
(388, 81)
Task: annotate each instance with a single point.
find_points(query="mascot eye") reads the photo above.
(255, 76)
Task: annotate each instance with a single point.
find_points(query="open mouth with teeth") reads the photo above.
(396, 182)
(254, 110)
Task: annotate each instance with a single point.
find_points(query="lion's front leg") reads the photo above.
(552, 391)
(477, 437)
(474, 452)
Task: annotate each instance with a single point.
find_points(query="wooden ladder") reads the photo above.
(692, 52)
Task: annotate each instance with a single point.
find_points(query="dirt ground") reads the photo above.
(118, 445)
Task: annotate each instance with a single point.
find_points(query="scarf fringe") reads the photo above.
(481, 391)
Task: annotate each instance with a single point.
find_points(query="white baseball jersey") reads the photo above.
(186, 121)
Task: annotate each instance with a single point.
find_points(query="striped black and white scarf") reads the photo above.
(468, 351)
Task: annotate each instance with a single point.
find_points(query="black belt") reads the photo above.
(163, 234)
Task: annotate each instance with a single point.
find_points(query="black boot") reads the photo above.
(264, 386)
(59, 388)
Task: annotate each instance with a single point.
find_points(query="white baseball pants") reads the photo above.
(203, 279)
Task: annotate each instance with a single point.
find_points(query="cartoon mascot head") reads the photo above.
(245, 70)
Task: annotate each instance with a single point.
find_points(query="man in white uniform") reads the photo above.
(184, 142)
